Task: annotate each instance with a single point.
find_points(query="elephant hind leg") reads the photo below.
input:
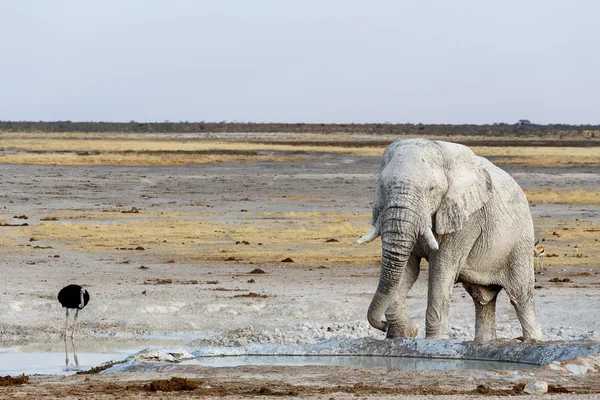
(520, 292)
(484, 298)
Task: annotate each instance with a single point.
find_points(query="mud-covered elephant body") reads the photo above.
(470, 220)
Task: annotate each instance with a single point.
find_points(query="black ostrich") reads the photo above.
(73, 296)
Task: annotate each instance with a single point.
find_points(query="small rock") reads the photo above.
(536, 387)
(287, 260)
(257, 271)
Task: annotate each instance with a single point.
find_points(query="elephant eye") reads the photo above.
(431, 188)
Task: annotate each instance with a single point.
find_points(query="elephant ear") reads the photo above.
(469, 188)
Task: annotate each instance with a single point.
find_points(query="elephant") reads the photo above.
(469, 219)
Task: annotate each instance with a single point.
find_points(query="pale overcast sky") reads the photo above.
(444, 61)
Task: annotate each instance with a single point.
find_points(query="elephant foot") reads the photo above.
(409, 331)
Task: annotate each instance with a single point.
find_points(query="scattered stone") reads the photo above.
(257, 271)
(174, 355)
(213, 282)
(536, 387)
(331, 241)
(32, 239)
(559, 280)
(287, 260)
(242, 210)
(171, 262)
(242, 242)
(42, 247)
(231, 259)
(132, 211)
(143, 267)
(49, 219)
(251, 281)
(20, 217)
(6, 224)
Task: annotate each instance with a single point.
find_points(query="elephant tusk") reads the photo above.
(369, 237)
(433, 244)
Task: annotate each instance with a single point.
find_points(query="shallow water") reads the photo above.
(13, 362)
(51, 357)
(395, 363)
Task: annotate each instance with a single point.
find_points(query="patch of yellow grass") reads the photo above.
(542, 156)
(145, 149)
(564, 196)
(142, 159)
(192, 236)
(569, 243)
(104, 146)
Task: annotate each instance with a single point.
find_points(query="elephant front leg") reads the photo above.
(441, 280)
(399, 324)
(484, 298)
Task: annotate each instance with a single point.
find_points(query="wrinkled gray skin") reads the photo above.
(469, 219)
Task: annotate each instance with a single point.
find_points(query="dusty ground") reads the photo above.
(200, 231)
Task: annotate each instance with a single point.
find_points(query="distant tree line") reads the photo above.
(499, 129)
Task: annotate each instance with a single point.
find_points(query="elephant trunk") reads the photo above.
(399, 233)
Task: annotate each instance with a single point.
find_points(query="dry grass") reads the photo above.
(542, 156)
(564, 196)
(69, 151)
(569, 243)
(145, 149)
(143, 159)
(189, 236)
(192, 236)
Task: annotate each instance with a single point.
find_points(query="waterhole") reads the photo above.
(13, 362)
(390, 363)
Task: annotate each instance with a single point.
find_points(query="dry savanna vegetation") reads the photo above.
(306, 238)
(310, 238)
(128, 149)
(569, 243)
(552, 196)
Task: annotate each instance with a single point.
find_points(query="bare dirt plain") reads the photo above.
(174, 250)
